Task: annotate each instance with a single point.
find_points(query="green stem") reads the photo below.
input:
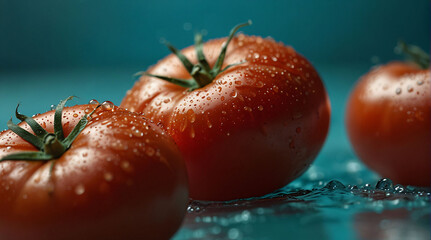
(414, 53)
(53, 146)
(50, 145)
(202, 74)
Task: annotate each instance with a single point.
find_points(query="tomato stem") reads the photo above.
(53, 146)
(50, 145)
(414, 54)
(202, 74)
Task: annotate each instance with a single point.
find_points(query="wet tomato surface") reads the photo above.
(122, 178)
(254, 128)
(388, 120)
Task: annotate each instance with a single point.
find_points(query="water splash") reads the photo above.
(242, 218)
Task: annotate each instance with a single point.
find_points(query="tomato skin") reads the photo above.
(122, 178)
(389, 124)
(254, 129)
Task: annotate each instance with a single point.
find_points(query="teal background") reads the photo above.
(101, 33)
(51, 49)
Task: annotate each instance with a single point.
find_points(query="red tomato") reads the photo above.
(388, 120)
(249, 131)
(122, 178)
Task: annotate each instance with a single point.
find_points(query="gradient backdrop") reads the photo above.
(50, 49)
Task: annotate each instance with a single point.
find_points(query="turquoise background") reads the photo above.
(50, 49)
(101, 33)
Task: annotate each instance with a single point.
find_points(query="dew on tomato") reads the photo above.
(100, 186)
(239, 125)
(398, 91)
(107, 105)
(93, 102)
(389, 126)
(79, 189)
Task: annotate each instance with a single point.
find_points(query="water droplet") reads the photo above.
(150, 151)
(119, 145)
(274, 59)
(385, 184)
(367, 187)
(191, 115)
(192, 132)
(334, 184)
(260, 108)
(234, 94)
(209, 124)
(79, 189)
(183, 125)
(409, 89)
(8, 147)
(420, 82)
(256, 55)
(107, 105)
(137, 133)
(53, 107)
(260, 84)
(125, 165)
(108, 176)
(398, 91)
(93, 101)
(399, 188)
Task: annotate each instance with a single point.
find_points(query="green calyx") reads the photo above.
(50, 145)
(414, 54)
(202, 74)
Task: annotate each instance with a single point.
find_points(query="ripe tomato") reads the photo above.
(122, 178)
(251, 129)
(388, 119)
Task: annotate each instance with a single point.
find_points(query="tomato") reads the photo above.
(388, 119)
(251, 129)
(122, 178)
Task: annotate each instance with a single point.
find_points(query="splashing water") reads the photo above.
(310, 208)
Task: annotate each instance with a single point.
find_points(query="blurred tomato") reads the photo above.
(388, 119)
